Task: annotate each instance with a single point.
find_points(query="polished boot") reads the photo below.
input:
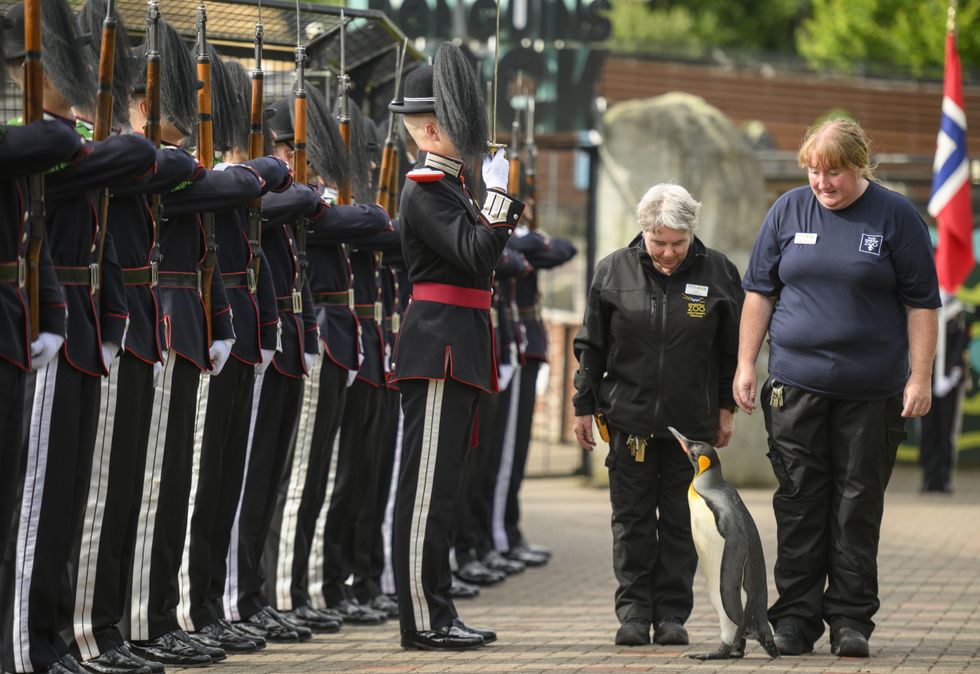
(384, 604)
(449, 638)
(265, 624)
(461, 590)
(488, 636)
(155, 667)
(170, 650)
(356, 613)
(790, 640)
(670, 631)
(847, 642)
(218, 635)
(114, 661)
(633, 632)
(475, 573)
(304, 616)
(495, 561)
(216, 654)
(522, 553)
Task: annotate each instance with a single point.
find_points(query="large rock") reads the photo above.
(682, 139)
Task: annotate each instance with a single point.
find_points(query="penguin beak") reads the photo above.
(680, 438)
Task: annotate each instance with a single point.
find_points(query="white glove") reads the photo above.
(351, 377)
(945, 385)
(109, 351)
(44, 349)
(496, 170)
(504, 374)
(218, 353)
(263, 365)
(310, 360)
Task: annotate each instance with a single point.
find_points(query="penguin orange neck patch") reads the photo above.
(703, 464)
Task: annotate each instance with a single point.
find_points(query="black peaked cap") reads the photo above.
(417, 93)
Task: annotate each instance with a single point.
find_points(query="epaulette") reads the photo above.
(425, 175)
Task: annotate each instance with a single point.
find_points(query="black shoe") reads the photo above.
(218, 635)
(449, 638)
(357, 614)
(59, 668)
(495, 561)
(461, 590)
(524, 554)
(69, 662)
(170, 650)
(155, 667)
(538, 549)
(113, 661)
(670, 631)
(790, 640)
(488, 636)
(305, 633)
(258, 639)
(306, 617)
(384, 604)
(475, 573)
(327, 614)
(265, 625)
(633, 632)
(847, 642)
(216, 654)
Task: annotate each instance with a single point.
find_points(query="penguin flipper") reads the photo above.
(733, 561)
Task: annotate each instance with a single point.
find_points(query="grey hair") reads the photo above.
(668, 205)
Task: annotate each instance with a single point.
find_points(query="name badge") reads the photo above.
(696, 290)
(806, 238)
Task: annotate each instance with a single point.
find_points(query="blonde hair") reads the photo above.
(837, 144)
(667, 205)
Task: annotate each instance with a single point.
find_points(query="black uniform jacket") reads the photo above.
(542, 252)
(71, 222)
(182, 248)
(252, 332)
(134, 235)
(25, 150)
(365, 262)
(657, 351)
(447, 239)
(330, 274)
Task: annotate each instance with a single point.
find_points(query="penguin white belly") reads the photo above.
(711, 547)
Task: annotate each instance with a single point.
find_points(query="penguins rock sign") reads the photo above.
(730, 553)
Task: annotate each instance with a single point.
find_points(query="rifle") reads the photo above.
(530, 166)
(514, 157)
(33, 111)
(152, 130)
(343, 119)
(300, 175)
(389, 156)
(103, 120)
(255, 143)
(205, 156)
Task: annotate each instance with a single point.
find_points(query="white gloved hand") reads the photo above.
(504, 374)
(263, 365)
(945, 385)
(496, 170)
(158, 369)
(351, 377)
(109, 351)
(309, 359)
(44, 349)
(219, 352)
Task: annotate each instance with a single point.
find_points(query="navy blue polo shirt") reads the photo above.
(843, 279)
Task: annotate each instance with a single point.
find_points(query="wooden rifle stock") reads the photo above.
(103, 120)
(300, 174)
(205, 156)
(384, 177)
(255, 147)
(344, 189)
(33, 111)
(153, 130)
(514, 159)
(393, 184)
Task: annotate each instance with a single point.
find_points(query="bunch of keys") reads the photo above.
(637, 447)
(776, 396)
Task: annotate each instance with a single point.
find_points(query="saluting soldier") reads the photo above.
(443, 360)
(59, 450)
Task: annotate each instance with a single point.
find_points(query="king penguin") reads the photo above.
(730, 553)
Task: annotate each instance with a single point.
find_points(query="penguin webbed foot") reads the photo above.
(724, 652)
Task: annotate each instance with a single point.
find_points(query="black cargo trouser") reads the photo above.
(833, 459)
(653, 553)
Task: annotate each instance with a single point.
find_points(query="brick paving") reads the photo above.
(559, 618)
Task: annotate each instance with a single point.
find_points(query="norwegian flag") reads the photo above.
(950, 201)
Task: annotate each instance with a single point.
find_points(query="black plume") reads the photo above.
(235, 97)
(178, 79)
(363, 139)
(90, 19)
(459, 104)
(67, 63)
(324, 148)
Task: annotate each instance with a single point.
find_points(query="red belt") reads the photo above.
(471, 298)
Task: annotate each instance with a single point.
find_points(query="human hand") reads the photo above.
(726, 424)
(496, 169)
(158, 369)
(582, 427)
(109, 351)
(945, 384)
(267, 355)
(309, 359)
(744, 388)
(917, 397)
(218, 353)
(44, 349)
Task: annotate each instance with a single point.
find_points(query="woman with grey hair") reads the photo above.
(657, 348)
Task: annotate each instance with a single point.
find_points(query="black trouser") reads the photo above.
(437, 434)
(35, 596)
(13, 385)
(504, 481)
(369, 557)
(104, 555)
(388, 527)
(268, 453)
(224, 419)
(937, 445)
(361, 432)
(653, 553)
(166, 490)
(472, 538)
(302, 490)
(522, 444)
(833, 459)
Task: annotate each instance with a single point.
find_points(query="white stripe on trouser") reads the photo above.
(314, 568)
(183, 575)
(388, 527)
(30, 512)
(502, 486)
(428, 455)
(230, 599)
(98, 490)
(294, 492)
(139, 625)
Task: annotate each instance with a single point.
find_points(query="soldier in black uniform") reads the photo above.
(59, 451)
(443, 359)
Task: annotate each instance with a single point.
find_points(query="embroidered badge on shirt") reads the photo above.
(871, 244)
(695, 306)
